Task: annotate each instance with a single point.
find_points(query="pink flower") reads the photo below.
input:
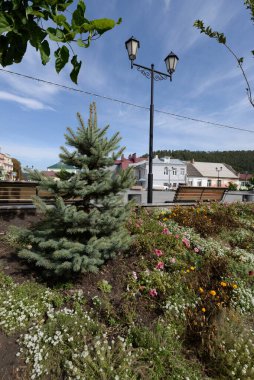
(160, 265)
(196, 249)
(172, 260)
(186, 242)
(153, 292)
(177, 236)
(166, 231)
(158, 252)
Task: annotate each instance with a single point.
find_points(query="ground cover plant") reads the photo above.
(178, 305)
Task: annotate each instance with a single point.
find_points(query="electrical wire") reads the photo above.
(126, 103)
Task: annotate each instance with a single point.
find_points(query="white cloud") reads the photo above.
(27, 102)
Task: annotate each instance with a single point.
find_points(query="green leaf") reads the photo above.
(252, 51)
(86, 27)
(59, 19)
(45, 52)
(221, 38)
(78, 15)
(56, 34)
(62, 7)
(31, 11)
(82, 5)
(62, 57)
(37, 35)
(103, 25)
(5, 23)
(240, 60)
(76, 67)
(80, 42)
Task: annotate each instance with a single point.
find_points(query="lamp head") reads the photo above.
(132, 45)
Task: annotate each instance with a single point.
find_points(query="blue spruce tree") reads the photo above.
(86, 224)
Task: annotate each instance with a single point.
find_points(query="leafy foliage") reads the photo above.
(39, 21)
(221, 38)
(80, 236)
(17, 168)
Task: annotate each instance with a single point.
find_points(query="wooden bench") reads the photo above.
(199, 194)
(20, 192)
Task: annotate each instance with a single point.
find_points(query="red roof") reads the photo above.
(125, 162)
(245, 177)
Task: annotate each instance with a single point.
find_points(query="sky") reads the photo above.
(206, 85)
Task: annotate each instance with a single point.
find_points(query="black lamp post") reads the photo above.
(218, 170)
(132, 46)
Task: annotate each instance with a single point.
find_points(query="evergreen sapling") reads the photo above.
(86, 224)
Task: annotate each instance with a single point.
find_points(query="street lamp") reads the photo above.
(132, 45)
(218, 170)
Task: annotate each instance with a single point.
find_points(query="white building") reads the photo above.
(211, 174)
(6, 167)
(167, 172)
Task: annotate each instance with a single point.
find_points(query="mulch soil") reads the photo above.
(114, 271)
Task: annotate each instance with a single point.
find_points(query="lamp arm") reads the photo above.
(146, 71)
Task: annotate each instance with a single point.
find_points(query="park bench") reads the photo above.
(20, 192)
(199, 194)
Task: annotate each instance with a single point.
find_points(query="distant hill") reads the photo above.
(240, 160)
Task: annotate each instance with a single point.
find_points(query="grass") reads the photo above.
(182, 310)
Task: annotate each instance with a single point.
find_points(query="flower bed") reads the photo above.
(179, 305)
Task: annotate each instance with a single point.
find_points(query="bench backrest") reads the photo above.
(199, 194)
(20, 192)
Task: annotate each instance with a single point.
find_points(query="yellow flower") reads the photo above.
(165, 219)
(203, 309)
(201, 290)
(212, 292)
(192, 268)
(223, 283)
(234, 286)
(187, 271)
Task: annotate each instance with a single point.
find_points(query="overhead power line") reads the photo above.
(125, 102)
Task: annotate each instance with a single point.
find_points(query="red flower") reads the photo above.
(160, 265)
(186, 242)
(158, 252)
(153, 292)
(251, 273)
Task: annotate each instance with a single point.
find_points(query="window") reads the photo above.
(219, 183)
(166, 171)
(174, 184)
(190, 183)
(182, 171)
(199, 183)
(209, 182)
(173, 171)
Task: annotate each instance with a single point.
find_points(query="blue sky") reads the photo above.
(206, 85)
